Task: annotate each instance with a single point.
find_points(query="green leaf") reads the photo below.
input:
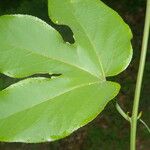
(42, 109)
(100, 33)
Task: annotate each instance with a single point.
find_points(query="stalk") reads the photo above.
(139, 79)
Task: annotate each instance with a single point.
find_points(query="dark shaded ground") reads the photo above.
(108, 131)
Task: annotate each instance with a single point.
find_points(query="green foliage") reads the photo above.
(42, 109)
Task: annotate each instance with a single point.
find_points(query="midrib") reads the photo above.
(89, 40)
(57, 95)
(55, 59)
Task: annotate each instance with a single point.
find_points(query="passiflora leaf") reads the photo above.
(41, 109)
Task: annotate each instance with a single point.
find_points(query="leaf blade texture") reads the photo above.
(41, 109)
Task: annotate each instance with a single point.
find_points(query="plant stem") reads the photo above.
(139, 79)
(122, 113)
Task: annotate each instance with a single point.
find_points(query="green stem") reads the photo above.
(139, 79)
(122, 113)
(146, 126)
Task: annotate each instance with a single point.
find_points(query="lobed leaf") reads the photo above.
(42, 109)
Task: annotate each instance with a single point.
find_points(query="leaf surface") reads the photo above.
(99, 32)
(42, 109)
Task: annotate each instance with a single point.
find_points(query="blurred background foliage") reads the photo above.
(109, 130)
